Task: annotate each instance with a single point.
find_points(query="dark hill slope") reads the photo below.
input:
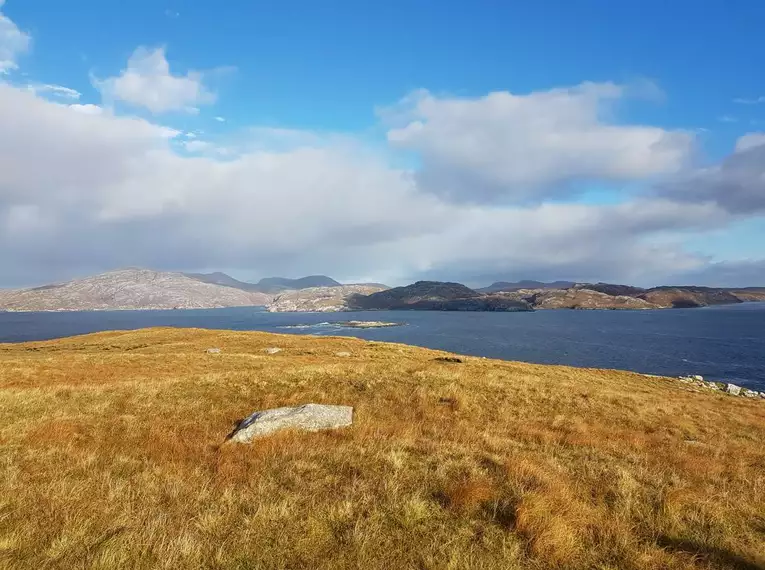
(435, 296)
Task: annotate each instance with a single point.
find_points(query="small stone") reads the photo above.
(698, 377)
(309, 417)
(272, 350)
(732, 389)
(749, 393)
(343, 354)
(213, 351)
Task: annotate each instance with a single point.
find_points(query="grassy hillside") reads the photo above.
(111, 456)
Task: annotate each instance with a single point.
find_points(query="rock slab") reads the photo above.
(309, 417)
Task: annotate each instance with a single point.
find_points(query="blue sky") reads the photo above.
(330, 75)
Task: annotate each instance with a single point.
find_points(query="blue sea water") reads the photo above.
(720, 343)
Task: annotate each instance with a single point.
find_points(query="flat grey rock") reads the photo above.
(213, 351)
(272, 350)
(309, 417)
(343, 354)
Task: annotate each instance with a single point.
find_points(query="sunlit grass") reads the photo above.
(112, 456)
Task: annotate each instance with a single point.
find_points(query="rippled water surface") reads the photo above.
(722, 343)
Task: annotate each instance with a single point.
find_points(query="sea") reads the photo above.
(724, 342)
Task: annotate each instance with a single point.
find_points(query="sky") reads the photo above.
(586, 140)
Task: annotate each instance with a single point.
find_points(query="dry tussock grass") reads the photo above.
(111, 456)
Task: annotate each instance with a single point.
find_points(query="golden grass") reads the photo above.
(111, 456)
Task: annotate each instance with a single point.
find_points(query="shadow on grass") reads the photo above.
(709, 554)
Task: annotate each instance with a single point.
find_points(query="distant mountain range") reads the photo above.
(145, 289)
(516, 285)
(269, 285)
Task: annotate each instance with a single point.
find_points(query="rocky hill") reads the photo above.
(577, 298)
(129, 289)
(687, 297)
(435, 296)
(611, 289)
(320, 299)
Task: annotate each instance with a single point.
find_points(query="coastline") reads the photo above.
(357, 310)
(691, 380)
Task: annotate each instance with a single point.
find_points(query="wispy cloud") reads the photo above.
(55, 90)
(754, 101)
(13, 42)
(727, 119)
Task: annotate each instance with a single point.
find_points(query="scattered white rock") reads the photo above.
(309, 417)
(213, 351)
(272, 350)
(343, 353)
(732, 389)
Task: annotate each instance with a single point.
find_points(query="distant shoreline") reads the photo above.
(536, 309)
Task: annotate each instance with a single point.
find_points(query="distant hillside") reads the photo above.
(525, 284)
(219, 278)
(129, 289)
(613, 296)
(611, 289)
(319, 299)
(692, 296)
(276, 284)
(435, 296)
(403, 297)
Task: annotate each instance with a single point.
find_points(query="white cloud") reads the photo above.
(220, 119)
(13, 42)
(750, 140)
(507, 147)
(88, 109)
(148, 82)
(114, 193)
(196, 145)
(752, 101)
